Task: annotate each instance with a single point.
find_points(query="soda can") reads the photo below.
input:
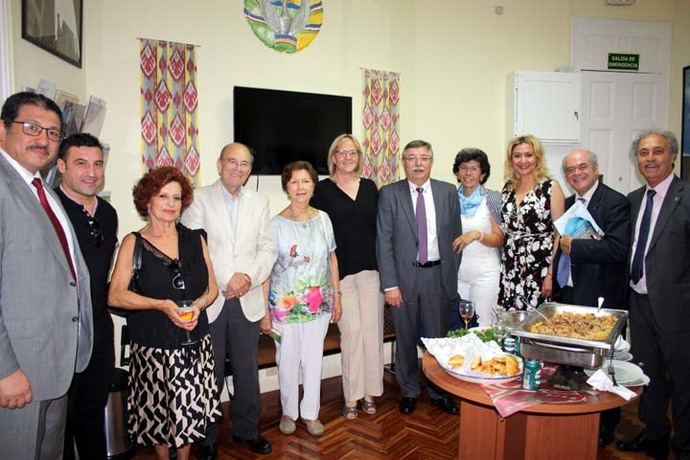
(509, 345)
(531, 376)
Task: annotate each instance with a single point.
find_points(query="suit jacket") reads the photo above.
(46, 326)
(251, 251)
(667, 263)
(598, 267)
(397, 241)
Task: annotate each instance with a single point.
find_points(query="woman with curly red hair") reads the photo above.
(172, 390)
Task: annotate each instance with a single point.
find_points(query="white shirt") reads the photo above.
(54, 204)
(584, 199)
(432, 237)
(233, 205)
(661, 190)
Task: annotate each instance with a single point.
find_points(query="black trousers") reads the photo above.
(88, 396)
(234, 335)
(665, 358)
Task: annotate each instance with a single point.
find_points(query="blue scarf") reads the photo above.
(470, 204)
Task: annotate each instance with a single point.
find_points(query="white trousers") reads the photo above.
(478, 281)
(361, 335)
(301, 349)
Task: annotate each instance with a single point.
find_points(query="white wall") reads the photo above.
(453, 56)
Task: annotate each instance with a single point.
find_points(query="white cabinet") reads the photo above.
(546, 104)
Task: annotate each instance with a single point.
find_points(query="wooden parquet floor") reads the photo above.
(427, 434)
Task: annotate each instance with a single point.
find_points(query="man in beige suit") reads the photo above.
(241, 246)
(45, 306)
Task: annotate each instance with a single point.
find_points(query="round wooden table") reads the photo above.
(544, 431)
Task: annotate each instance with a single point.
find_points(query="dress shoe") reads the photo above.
(605, 438)
(447, 405)
(641, 443)
(408, 405)
(208, 452)
(258, 444)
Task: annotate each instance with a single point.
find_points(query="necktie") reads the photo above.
(420, 215)
(54, 220)
(638, 260)
(563, 271)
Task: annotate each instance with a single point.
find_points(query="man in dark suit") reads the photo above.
(589, 268)
(45, 306)
(80, 162)
(418, 219)
(660, 296)
(594, 268)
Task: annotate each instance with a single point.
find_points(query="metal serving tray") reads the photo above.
(567, 350)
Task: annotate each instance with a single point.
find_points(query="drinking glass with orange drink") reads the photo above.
(186, 314)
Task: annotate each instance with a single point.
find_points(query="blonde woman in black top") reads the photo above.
(351, 202)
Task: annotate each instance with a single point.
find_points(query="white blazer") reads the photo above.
(251, 251)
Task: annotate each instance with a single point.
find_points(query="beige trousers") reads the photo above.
(361, 335)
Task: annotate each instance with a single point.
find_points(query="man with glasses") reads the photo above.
(45, 306)
(81, 164)
(587, 269)
(418, 219)
(241, 246)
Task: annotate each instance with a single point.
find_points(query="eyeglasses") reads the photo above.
(177, 280)
(94, 229)
(346, 153)
(33, 129)
(237, 164)
(422, 159)
(470, 169)
(582, 167)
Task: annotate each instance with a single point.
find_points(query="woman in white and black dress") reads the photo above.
(172, 390)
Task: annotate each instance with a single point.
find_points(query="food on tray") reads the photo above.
(498, 365)
(587, 326)
(470, 356)
(456, 361)
(485, 334)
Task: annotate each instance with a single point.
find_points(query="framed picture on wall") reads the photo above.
(55, 27)
(685, 133)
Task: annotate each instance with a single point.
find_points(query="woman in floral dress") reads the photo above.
(303, 297)
(531, 203)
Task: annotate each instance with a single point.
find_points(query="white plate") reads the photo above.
(625, 372)
(480, 379)
(643, 381)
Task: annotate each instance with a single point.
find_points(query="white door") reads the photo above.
(616, 107)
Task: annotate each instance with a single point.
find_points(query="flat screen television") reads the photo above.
(284, 126)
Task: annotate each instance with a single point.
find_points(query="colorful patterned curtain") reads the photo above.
(381, 122)
(169, 97)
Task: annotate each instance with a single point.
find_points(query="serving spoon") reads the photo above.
(600, 302)
(529, 307)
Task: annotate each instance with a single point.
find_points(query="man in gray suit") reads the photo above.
(660, 296)
(45, 306)
(418, 219)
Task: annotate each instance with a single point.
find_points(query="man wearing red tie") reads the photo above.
(660, 296)
(45, 306)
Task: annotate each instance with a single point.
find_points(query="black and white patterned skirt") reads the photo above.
(173, 395)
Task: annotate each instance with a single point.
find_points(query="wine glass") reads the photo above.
(466, 310)
(187, 313)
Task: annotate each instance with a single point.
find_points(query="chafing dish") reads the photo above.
(567, 350)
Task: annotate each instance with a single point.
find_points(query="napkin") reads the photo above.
(621, 345)
(601, 381)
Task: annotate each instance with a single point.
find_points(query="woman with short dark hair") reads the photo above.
(303, 296)
(480, 211)
(172, 390)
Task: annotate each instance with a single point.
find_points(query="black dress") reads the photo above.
(528, 247)
(173, 395)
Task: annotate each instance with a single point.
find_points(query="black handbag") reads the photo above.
(134, 281)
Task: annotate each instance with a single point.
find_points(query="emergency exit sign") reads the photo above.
(622, 61)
